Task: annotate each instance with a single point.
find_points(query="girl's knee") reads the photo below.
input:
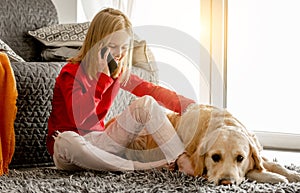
(142, 108)
(67, 140)
(139, 114)
(145, 102)
(68, 134)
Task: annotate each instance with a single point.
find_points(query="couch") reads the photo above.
(35, 75)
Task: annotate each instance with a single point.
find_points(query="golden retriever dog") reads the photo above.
(220, 148)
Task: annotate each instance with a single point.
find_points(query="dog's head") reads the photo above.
(225, 156)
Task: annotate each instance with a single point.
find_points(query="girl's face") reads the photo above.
(118, 44)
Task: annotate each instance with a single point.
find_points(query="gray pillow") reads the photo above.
(59, 54)
(13, 57)
(61, 34)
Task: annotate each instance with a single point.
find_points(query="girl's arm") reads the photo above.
(167, 98)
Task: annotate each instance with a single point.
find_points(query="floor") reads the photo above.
(283, 157)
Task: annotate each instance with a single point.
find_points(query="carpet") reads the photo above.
(51, 180)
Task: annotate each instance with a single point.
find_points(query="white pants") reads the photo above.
(105, 150)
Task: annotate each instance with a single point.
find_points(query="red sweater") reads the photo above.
(80, 104)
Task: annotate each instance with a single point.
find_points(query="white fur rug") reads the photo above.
(37, 180)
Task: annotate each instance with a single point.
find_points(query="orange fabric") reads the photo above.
(8, 110)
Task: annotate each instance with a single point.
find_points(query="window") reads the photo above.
(263, 68)
(173, 35)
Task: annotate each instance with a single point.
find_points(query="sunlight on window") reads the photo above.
(181, 75)
(180, 14)
(173, 14)
(263, 64)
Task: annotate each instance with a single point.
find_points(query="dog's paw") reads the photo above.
(293, 177)
(266, 177)
(279, 179)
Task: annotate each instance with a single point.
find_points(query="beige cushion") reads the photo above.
(61, 34)
(142, 56)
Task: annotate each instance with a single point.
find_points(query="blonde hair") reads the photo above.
(106, 22)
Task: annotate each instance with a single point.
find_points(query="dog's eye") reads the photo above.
(216, 157)
(239, 158)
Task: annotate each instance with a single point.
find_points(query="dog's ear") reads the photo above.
(257, 159)
(198, 157)
(198, 163)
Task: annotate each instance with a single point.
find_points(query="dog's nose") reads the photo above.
(225, 181)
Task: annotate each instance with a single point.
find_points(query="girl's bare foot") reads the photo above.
(185, 165)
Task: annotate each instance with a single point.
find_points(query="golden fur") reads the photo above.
(220, 148)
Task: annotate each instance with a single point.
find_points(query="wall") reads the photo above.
(66, 10)
(72, 11)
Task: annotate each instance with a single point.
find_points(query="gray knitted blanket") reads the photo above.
(51, 180)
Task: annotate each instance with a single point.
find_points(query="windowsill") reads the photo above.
(279, 141)
(285, 158)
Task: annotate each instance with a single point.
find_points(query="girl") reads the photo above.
(83, 93)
